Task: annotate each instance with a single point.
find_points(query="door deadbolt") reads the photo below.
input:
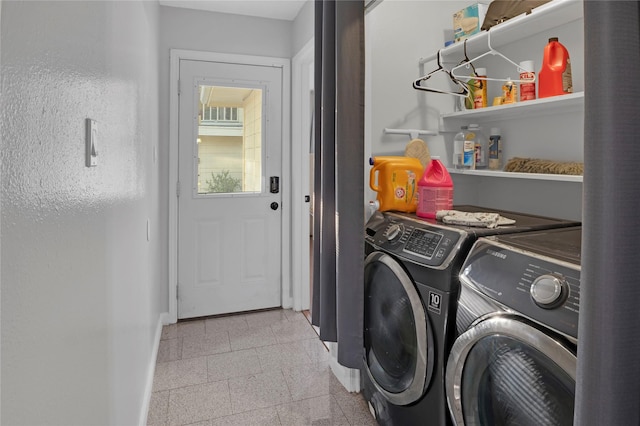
(274, 206)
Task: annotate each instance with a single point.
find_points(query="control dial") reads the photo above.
(394, 232)
(549, 291)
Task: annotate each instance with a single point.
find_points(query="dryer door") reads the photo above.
(504, 371)
(397, 337)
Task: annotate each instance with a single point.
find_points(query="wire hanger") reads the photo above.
(469, 63)
(466, 59)
(464, 92)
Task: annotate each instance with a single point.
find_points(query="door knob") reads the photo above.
(274, 206)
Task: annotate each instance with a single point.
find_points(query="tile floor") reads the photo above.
(263, 368)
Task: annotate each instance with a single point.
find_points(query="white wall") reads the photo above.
(81, 288)
(399, 33)
(303, 27)
(0, 229)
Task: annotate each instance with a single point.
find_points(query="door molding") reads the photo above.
(302, 85)
(175, 55)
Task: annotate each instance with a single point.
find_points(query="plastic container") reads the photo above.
(495, 149)
(469, 150)
(480, 90)
(480, 147)
(458, 148)
(435, 190)
(509, 92)
(554, 77)
(468, 101)
(395, 181)
(527, 72)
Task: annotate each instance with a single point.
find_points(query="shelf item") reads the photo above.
(540, 165)
(541, 19)
(515, 175)
(573, 102)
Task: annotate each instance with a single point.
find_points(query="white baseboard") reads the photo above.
(163, 319)
(348, 377)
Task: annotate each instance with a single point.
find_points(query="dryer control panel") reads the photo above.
(413, 239)
(543, 289)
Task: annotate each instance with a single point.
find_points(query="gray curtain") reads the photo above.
(608, 385)
(337, 306)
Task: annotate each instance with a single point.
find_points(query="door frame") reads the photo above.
(175, 55)
(302, 84)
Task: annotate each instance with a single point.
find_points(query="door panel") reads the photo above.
(229, 237)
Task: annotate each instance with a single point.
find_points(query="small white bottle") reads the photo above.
(495, 149)
(480, 146)
(469, 151)
(528, 89)
(458, 148)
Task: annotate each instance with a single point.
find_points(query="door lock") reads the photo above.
(274, 184)
(274, 206)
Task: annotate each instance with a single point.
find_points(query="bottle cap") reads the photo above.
(495, 130)
(553, 39)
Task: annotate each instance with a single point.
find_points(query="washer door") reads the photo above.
(506, 372)
(397, 337)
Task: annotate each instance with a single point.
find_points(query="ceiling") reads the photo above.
(274, 9)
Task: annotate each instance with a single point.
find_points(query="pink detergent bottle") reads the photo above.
(435, 190)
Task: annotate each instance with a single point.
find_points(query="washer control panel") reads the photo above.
(413, 239)
(424, 243)
(541, 288)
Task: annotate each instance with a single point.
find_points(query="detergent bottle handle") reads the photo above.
(372, 179)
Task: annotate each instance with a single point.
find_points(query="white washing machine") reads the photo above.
(514, 361)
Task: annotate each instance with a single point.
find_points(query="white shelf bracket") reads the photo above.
(413, 133)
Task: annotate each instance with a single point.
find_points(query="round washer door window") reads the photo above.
(396, 333)
(506, 372)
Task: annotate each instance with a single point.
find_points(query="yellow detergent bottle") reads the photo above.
(395, 181)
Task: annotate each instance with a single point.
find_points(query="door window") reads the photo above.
(508, 382)
(390, 330)
(396, 334)
(229, 139)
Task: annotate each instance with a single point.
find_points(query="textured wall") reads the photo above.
(81, 290)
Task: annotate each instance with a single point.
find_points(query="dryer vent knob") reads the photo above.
(548, 291)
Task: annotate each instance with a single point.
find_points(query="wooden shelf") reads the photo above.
(515, 175)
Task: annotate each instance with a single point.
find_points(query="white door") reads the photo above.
(229, 205)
